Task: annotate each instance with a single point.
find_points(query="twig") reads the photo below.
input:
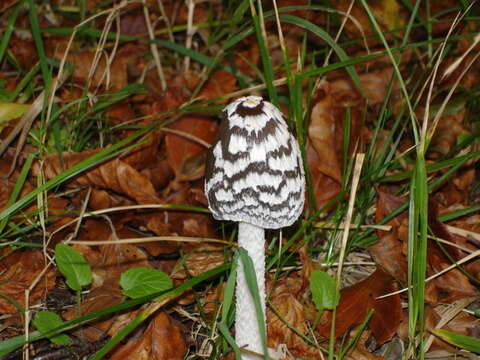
(153, 47)
(348, 219)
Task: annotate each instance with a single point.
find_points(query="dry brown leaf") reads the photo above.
(457, 190)
(357, 300)
(212, 300)
(388, 14)
(133, 23)
(448, 287)
(361, 352)
(102, 199)
(23, 50)
(109, 260)
(200, 259)
(18, 270)
(389, 252)
(219, 84)
(160, 174)
(324, 187)
(449, 128)
(114, 175)
(187, 157)
(453, 284)
(121, 257)
(7, 184)
(323, 131)
(144, 156)
(444, 18)
(108, 294)
(162, 340)
(250, 54)
(375, 85)
(113, 75)
(285, 298)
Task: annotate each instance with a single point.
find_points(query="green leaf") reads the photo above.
(462, 341)
(73, 266)
(45, 321)
(9, 111)
(140, 282)
(324, 290)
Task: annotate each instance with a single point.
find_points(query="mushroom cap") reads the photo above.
(254, 171)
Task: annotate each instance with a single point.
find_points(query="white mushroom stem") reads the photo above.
(247, 332)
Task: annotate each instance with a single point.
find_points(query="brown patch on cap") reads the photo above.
(249, 108)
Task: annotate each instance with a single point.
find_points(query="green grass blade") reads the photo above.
(465, 342)
(229, 291)
(342, 55)
(37, 37)
(9, 29)
(259, 26)
(251, 279)
(231, 341)
(18, 187)
(417, 254)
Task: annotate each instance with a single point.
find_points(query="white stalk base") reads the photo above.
(247, 333)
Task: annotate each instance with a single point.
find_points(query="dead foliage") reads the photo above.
(145, 207)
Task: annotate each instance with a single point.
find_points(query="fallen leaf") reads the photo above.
(388, 14)
(357, 300)
(162, 340)
(200, 259)
(185, 156)
(18, 271)
(114, 175)
(102, 297)
(389, 252)
(105, 74)
(218, 84)
(448, 287)
(9, 111)
(212, 300)
(450, 127)
(285, 294)
(23, 50)
(324, 187)
(323, 130)
(360, 352)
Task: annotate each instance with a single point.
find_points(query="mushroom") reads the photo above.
(254, 175)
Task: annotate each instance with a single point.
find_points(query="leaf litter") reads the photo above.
(99, 105)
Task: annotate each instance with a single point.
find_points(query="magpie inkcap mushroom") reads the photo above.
(254, 175)
(254, 171)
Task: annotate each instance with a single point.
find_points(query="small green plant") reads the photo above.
(324, 290)
(139, 282)
(73, 266)
(45, 322)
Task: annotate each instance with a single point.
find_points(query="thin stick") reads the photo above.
(190, 32)
(348, 220)
(166, 20)
(153, 47)
(150, 239)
